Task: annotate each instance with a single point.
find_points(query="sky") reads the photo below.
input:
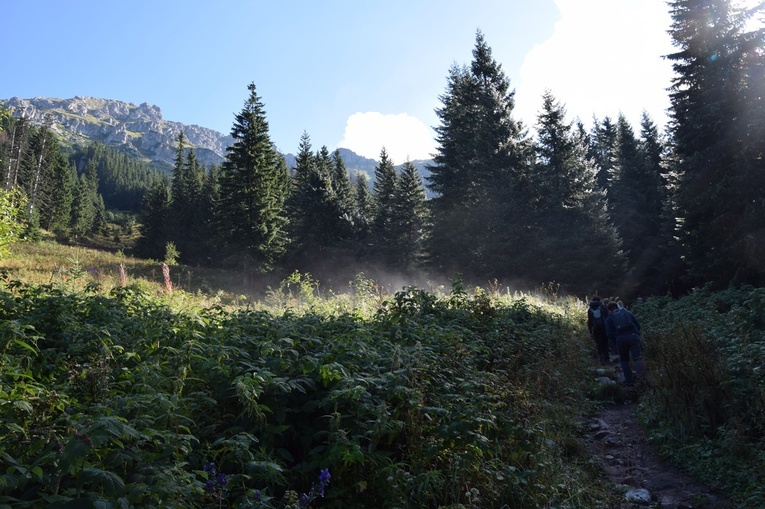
(356, 74)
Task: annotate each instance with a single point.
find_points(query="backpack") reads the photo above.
(599, 321)
(622, 322)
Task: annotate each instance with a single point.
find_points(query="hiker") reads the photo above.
(624, 329)
(596, 323)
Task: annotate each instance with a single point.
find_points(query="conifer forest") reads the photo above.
(462, 397)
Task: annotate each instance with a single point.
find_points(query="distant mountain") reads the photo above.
(141, 131)
(138, 130)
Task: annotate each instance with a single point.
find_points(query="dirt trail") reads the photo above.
(616, 440)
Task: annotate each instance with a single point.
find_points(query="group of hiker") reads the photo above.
(614, 327)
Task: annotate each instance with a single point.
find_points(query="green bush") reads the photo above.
(119, 400)
(706, 404)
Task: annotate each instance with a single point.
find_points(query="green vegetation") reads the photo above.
(419, 399)
(705, 405)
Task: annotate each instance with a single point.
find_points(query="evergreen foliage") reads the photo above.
(385, 195)
(717, 125)
(253, 188)
(578, 244)
(122, 179)
(478, 172)
(186, 222)
(154, 219)
(362, 211)
(679, 212)
(410, 219)
(319, 208)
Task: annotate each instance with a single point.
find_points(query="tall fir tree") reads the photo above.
(362, 213)
(384, 222)
(410, 216)
(602, 149)
(716, 105)
(84, 211)
(56, 217)
(577, 244)
(185, 228)
(208, 204)
(477, 176)
(343, 196)
(154, 220)
(253, 188)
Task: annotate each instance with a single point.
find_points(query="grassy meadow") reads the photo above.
(123, 386)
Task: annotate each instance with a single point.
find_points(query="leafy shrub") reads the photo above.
(706, 405)
(121, 399)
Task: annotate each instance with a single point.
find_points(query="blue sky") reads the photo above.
(351, 73)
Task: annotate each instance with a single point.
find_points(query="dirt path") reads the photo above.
(617, 442)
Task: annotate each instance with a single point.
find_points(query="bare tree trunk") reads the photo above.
(38, 172)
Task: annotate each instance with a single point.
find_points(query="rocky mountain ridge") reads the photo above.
(141, 131)
(137, 129)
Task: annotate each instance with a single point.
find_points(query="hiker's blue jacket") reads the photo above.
(611, 331)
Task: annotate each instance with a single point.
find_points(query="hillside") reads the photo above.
(141, 131)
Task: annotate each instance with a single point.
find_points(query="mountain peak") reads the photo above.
(141, 131)
(137, 129)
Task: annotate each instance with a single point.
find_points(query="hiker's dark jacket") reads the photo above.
(611, 331)
(591, 318)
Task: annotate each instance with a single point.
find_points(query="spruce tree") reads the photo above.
(716, 107)
(577, 244)
(383, 224)
(410, 214)
(362, 213)
(477, 177)
(343, 196)
(57, 217)
(84, 204)
(602, 149)
(208, 204)
(154, 219)
(253, 188)
(185, 228)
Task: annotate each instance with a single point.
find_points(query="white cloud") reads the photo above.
(605, 57)
(402, 135)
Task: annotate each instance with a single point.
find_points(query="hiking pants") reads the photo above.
(627, 345)
(601, 341)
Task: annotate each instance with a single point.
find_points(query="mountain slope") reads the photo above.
(141, 131)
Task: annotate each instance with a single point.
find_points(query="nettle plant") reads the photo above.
(117, 400)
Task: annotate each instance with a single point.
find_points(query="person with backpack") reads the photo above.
(623, 327)
(596, 323)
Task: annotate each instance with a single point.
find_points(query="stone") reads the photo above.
(638, 496)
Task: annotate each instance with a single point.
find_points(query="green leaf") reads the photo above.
(109, 482)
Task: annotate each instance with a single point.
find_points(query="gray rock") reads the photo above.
(638, 496)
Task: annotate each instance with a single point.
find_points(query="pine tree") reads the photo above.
(253, 188)
(341, 187)
(208, 205)
(57, 216)
(716, 107)
(362, 212)
(477, 176)
(185, 226)
(154, 219)
(36, 171)
(383, 225)
(602, 149)
(577, 244)
(409, 221)
(84, 205)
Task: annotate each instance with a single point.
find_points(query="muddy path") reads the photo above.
(617, 442)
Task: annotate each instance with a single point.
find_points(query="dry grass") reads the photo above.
(49, 262)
